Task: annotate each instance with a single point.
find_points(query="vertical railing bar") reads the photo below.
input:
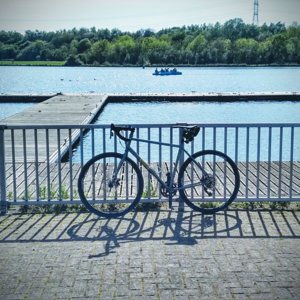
(115, 143)
(203, 138)
(160, 158)
(203, 162)
(115, 160)
(171, 150)
(138, 143)
(13, 150)
(81, 147)
(25, 164)
(3, 204)
(93, 167)
(258, 162)
(104, 139)
(36, 165)
(269, 161)
(149, 161)
(104, 169)
(247, 159)
(214, 158)
(104, 164)
(126, 176)
(126, 181)
(291, 162)
(192, 146)
(70, 164)
(214, 138)
(93, 141)
(225, 140)
(225, 164)
(181, 161)
(236, 144)
(48, 165)
(59, 165)
(280, 161)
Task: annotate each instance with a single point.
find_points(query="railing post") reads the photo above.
(181, 161)
(3, 203)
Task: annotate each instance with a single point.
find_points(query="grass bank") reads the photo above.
(31, 63)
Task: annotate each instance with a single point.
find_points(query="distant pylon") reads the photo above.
(255, 13)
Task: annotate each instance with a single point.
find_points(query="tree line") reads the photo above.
(233, 42)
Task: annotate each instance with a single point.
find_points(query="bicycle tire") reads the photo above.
(100, 195)
(215, 188)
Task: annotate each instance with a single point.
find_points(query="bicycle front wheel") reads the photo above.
(208, 181)
(109, 186)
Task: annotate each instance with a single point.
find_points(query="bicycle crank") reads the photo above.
(167, 192)
(209, 183)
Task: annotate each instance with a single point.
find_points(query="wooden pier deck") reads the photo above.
(58, 110)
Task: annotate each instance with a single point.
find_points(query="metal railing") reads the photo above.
(40, 164)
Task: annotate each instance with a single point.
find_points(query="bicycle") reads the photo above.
(111, 184)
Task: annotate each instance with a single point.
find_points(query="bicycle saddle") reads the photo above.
(189, 133)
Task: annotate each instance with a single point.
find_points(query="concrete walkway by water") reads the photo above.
(151, 255)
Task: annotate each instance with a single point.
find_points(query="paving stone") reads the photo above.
(223, 264)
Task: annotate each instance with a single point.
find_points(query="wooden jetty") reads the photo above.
(58, 110)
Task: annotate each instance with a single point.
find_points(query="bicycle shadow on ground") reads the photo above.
(173, 227)
(188, 227)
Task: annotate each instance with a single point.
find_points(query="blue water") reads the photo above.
(201, 113)
(37, 80)
(45, 80)
(10, 109)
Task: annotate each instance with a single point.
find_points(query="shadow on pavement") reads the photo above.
(176, 226)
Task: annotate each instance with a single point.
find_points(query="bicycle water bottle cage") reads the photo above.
(189, 133)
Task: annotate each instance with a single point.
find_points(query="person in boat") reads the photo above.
(156, 71)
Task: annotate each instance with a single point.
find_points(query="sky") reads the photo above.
(132, 15)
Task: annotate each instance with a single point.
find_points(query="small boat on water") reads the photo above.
(166, 72)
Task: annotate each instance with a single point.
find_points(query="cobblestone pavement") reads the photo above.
(151, 255)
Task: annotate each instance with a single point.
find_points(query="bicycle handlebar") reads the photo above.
(118, 129)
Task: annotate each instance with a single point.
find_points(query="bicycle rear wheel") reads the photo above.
(109, 187)
(208, 181)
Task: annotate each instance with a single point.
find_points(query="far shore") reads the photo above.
(62, 64)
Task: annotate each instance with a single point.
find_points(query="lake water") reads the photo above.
(48, 80)
(44, 80)
(200, 112)
(203, 113)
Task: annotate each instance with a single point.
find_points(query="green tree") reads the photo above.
(83, 45)
(123, 49)
(198, 47)
(245, 51)
(100, 51)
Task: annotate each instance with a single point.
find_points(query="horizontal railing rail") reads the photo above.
(40, 164)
